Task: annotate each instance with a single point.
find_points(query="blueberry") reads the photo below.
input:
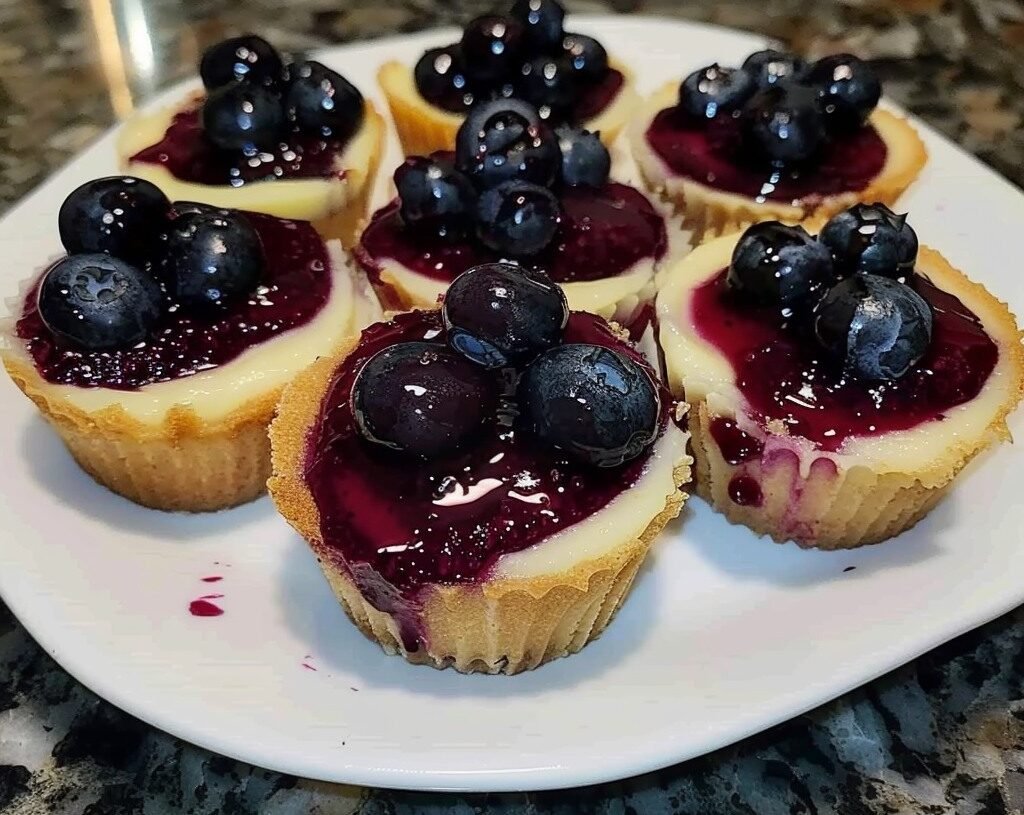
(213, 257)
(244, 117)
(872, 239)
(784, 124)
(769, 66)
(99, 302)
(119, 215)
(585, 160)
(714, 90)
(441, 78)
(421, 398)
(499, 315)
(548, 84)
(322, 101)
(542, 21)
(505, 139)
(778, 266)
(594, 403)
(848, 90)
(587, 57)
(517, 218)
(493, 48)
(249, 58)
(435, 197)
(876, 328)
(180, 208)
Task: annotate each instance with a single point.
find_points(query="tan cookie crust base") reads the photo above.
(500, 626)
(838, 503)
(710, 212)
(423, 128)
(183, 463)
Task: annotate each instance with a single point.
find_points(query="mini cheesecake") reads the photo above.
(718, 167)
(545, 200)
(526, 54)
(176, 418)
(794, 447)
(301, 169)
(500, 550)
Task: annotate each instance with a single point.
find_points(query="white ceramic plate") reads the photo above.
(724, 634)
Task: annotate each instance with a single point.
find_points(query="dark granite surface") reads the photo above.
(943, 735)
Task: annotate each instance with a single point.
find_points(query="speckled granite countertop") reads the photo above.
(943, 735)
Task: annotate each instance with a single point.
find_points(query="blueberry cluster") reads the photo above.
(505, 363)
(254, 100)
(131, 253)
(526, 54)
(788, 108)
(499, 183)
(849, 287)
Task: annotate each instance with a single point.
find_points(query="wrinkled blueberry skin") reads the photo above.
(779, 266)
(98, 302)
(875, 328)
(595, 404)
(871, 239)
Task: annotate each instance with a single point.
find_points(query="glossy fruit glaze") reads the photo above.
(187, 155)
(296, 285)
(783, 375)
(603, 233)
(712, 154)
(398, 524)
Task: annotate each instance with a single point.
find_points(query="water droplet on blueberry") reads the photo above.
(241, 59)
(517, 219)
(872, 239)
(322, 101)
(778, 266)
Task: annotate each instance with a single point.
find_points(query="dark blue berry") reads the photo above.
(872, 239)
(595, 404)
(769, 66)
(784, 123)
(322, 101)
(421, 398)
(587, 57)
(493, 48)
(848, 90)
(779, 266)
(542, 20)
(441, 78)
(715, 90)
(499, 315)
(877, 329)
(180, 208)
(244, 117)
(213, 257)
(119, 215)
(99, 302)
(517, 218)
(585, 160)
(435, 197)
(548, 84)
(506, 139)
(249, 58)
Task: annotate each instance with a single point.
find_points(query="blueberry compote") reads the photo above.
(783, 375)
(775, 129)
(295, 286)
(603, 232)
(714, 155)
(398, 526)
(189, 156)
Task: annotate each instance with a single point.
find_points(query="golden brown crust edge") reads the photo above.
(710, 213)
(842, 508)
(423, 128)
(505, 625)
